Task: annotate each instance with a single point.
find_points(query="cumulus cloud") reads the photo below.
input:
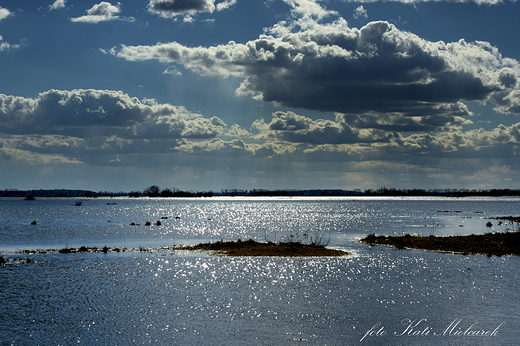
(89, 113)
(308, 11)
(4, 46)
(291, 127)
(4, 13)
(443, 117)
(479, 2)
(102, 12)
(174, 8)
(332, 67)
(360, 12)
(498, 142)
(385, 138)
(225, 4)
(424, 149)
(58, 4)
(217, 146)
(110, 128)
(102, 127)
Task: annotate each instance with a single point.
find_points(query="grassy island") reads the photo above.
(490, 244)
(230, 248)
(253, 248)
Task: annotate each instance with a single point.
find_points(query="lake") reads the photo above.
(375, 296)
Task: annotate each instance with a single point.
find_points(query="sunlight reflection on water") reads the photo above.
(180, 297)
(164, 298)
(122, 221)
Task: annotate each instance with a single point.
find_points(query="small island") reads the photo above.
(254, 248)
(490, 244)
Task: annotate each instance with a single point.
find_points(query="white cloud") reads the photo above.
(58, 4)
(173, 71)
(34, 158)
(479, 2)
(4, 46)
(4, 13)
(360, 12)
(309, 9)
(225, 4)
(217, 146)
(102, 12)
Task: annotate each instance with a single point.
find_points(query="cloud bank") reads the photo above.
(113, 122)
(111, 130)
(89, 113)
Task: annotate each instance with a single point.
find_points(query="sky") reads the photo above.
(273, 94)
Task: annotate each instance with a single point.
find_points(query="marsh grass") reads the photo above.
(288, 248)
(490, 244)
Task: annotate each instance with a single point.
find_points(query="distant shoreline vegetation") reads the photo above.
(156, 191)
(490, 244)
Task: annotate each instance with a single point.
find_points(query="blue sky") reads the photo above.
(210, 95)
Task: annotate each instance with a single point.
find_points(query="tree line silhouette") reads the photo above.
(156, 191)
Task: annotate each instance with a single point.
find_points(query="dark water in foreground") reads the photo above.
(376, 296)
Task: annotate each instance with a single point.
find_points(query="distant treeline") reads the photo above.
(156, 191)
(441, 192)
(57, 193)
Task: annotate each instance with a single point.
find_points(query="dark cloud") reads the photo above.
(170, 8)
(376, 68)
(291, 127)
(331, 67)
(402, 123)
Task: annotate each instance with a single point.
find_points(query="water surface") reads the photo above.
(376, 296)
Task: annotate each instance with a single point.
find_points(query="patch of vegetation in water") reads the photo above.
(254, 248)
(508, 218)
(490, 244)
(5, 261)
(81, 249)
(229, 248)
